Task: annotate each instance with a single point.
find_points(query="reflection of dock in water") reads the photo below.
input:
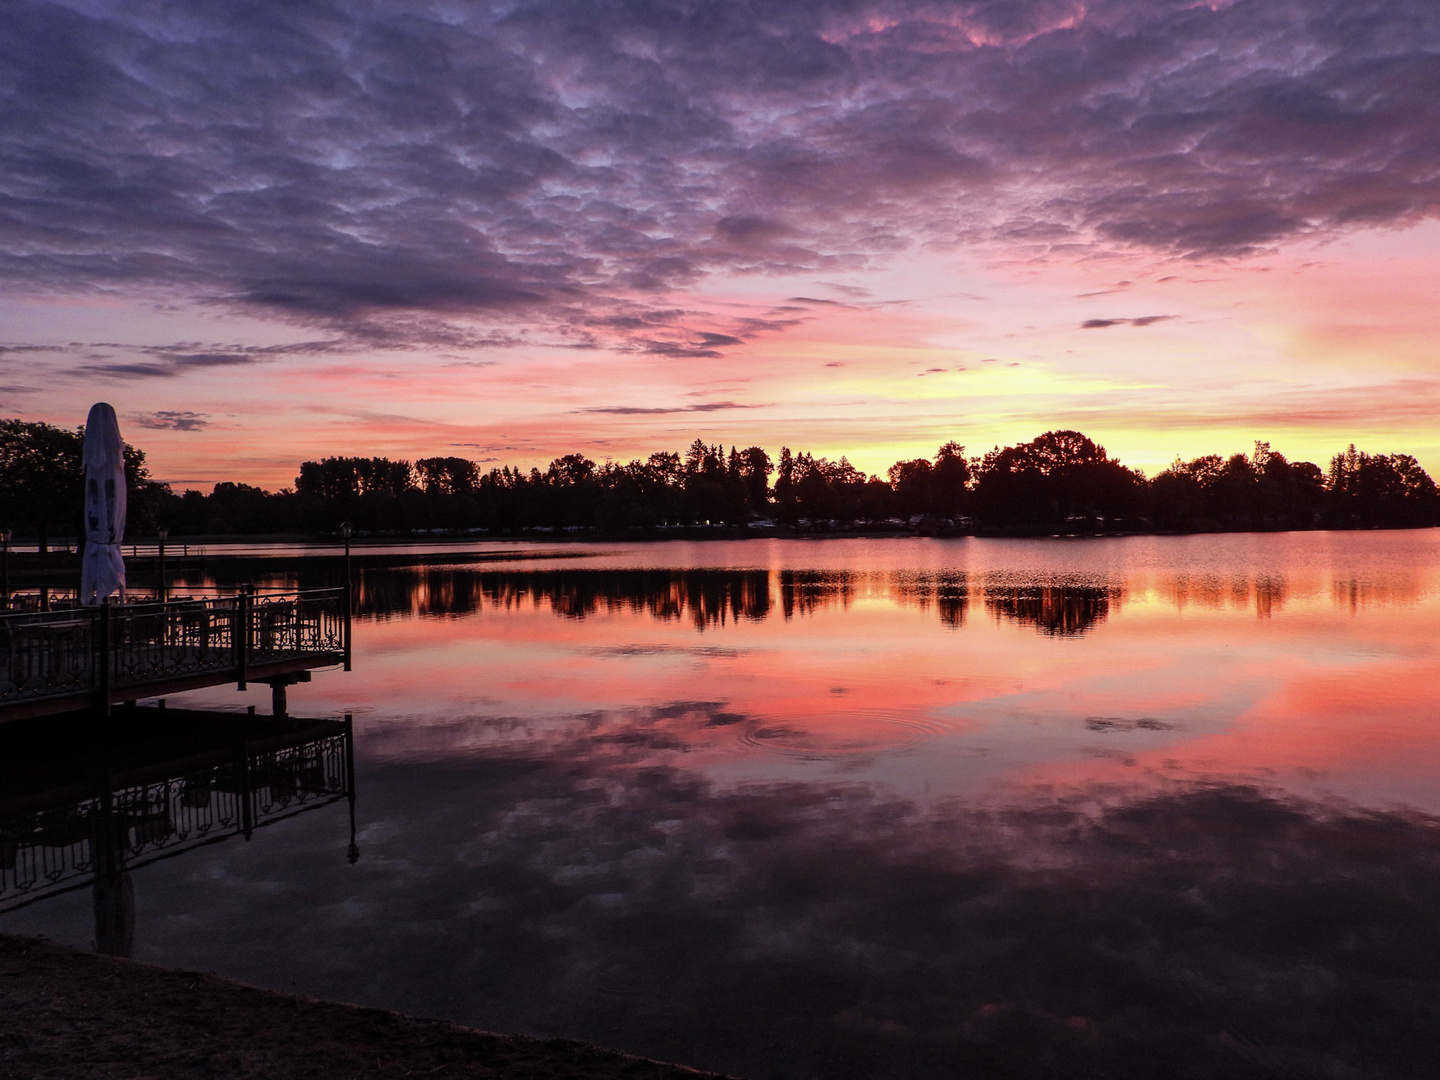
(83, 801)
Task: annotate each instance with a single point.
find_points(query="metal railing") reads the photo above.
(118, 647)
(70, 546)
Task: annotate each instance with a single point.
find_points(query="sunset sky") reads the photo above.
(268, 232)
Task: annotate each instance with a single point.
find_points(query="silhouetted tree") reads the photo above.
(42, 476)
(1263, 491)
(940, 489)
(1055, 481)
(446, 476)
(1382, 489)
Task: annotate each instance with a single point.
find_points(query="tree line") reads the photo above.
(1061, 481)
(42, 478)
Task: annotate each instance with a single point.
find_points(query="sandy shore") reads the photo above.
(66, 1013)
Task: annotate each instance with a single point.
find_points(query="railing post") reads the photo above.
(104, 670)
(241, 635)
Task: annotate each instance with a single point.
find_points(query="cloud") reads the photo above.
(173, 420)
(1144, 320)
(403, 177)
(118, 371)
(634, 410)
(679, 350)
(169, 361)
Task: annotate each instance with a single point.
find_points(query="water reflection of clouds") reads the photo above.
(832, 928)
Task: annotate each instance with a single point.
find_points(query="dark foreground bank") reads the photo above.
(65, 1013)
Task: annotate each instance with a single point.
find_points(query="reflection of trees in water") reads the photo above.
(1266, 593)
(713, 597)
(950, 593)
(1270, 591)
(706, 597)
(1354, 593)
(1057, 610)
(951, 605)
(384, 592)
(803, 592)
(422, 592)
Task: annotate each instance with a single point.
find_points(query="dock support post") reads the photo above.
(278, 685)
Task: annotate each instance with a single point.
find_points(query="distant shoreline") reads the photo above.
(175, 544)
(27, 569)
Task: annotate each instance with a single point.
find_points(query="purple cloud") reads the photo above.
(1143, 320)
(394, 176)
(634, 410)
(169, 361)
(173, 420)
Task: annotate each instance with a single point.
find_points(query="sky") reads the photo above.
(269, 232)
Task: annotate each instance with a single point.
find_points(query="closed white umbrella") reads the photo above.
(102, 571)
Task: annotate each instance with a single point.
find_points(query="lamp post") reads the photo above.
(346, 531)
(164, 534)
(5, 567)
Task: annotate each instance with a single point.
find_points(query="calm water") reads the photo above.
(868, 808)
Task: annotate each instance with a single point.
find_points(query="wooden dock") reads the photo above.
(76, 658)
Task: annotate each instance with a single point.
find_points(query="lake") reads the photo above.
(858, 808)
